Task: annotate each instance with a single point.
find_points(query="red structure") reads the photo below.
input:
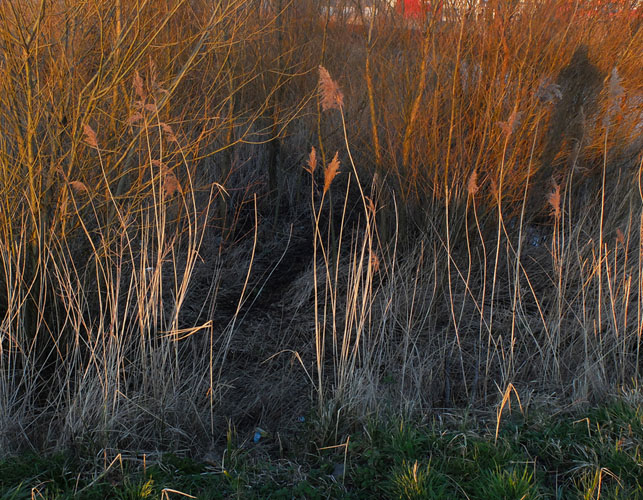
(415, 9)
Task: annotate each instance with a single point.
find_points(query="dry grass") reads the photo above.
(168, 265)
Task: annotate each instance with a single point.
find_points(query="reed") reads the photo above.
(467, 224)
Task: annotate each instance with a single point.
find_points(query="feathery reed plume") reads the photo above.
(138, 85)
(375, 262)
(79, 187)
(90, 136)
(472, 185)
(620, 237)
(511, 125)
(135, 117)
(615, 87)
(169, 133)
(171, 184)
(371, 206)
(553, 199)
(153, 73)
(614, 93)
(331, 95)
(331, 171)
(493, 188)
(311, 165)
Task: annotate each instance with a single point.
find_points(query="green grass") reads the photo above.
(595, 453)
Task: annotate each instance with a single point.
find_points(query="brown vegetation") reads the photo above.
(211, 209)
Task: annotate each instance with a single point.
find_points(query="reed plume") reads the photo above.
(311, 164)
(331, 171)
(553, 199)
(331, 95)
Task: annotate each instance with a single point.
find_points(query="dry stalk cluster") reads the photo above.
(467, 224)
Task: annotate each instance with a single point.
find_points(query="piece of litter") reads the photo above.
(301, 419)
(259, 433)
